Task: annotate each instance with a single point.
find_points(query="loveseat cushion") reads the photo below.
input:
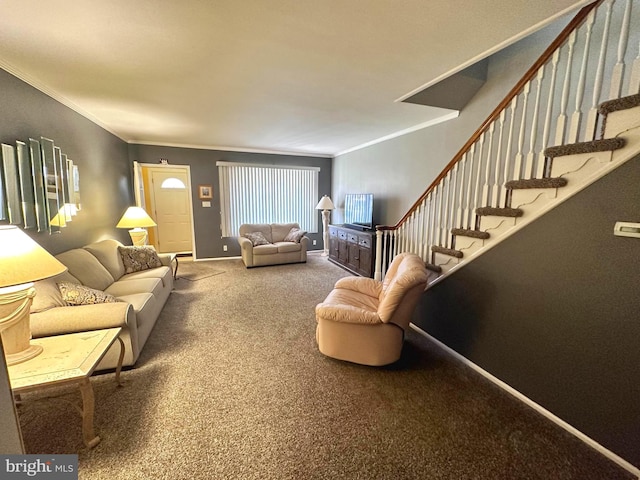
(106, 251)
(286, 247)
(265, 249)
(86, 268)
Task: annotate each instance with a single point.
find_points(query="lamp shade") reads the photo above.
(22, 260)
(135, 217)
(325, 203)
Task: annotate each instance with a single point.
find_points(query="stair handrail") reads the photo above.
(495, 114)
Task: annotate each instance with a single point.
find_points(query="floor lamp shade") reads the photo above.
(136, 219)
(326, 205)
(22, 262)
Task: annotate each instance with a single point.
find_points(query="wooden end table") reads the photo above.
(68, 359)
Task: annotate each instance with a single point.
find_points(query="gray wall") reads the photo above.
(399, 170)
(553, 312)
(105, 172)
(209, 241)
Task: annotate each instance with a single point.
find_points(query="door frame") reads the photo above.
(187, 169)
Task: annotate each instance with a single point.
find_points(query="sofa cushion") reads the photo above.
(138, 285)
(86, 268)
(265, 249)
(286, 247)
(294, 235)
(257, 238)
(106, 251)
(74, 294)
(163, 273)
(280, 230)
(145, 305)
(48, 294)
(136, 259)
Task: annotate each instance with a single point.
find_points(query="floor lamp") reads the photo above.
(326, 205)
(137, 220)
(23, 262)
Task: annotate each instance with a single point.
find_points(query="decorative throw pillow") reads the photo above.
(74, 294)
(257, 238)
(136, 259)
(294, 235)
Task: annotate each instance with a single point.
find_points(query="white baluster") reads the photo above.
(592, 117)
(618, 69)
(497, 159)
(547, 118)
(461, 199)
(439, 214)
(422, 234)
(574, 129)
(445, 212)
(432, 218)
(507, 156)
(517, 169)
(453, 201)
(378, 260)
(478, 190)
(529, 169)
(634, 81)
(468, 210)
(562, 118)
(486, 188)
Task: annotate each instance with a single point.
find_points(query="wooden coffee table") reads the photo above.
(68, 359)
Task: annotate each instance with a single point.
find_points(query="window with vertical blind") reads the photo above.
(251, 193)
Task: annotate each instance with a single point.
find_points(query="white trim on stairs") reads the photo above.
(538, 408)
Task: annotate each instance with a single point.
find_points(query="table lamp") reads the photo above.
(22, 262)
(137, 220)
(326, 205)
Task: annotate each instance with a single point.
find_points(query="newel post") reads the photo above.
(378, 268)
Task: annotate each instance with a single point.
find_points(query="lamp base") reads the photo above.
(15, 330)
(138, 237)
(23, 356)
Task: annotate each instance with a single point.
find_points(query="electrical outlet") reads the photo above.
(315, 241)
(224, 248)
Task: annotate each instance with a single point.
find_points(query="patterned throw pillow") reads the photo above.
(257, 238)
(294, 235)
(74, 294)
(136, 259)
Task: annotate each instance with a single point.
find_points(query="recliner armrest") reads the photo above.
(364, 285)
(346, 314)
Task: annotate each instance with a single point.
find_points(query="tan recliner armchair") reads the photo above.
(363, 320)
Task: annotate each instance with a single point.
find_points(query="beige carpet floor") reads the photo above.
(231, 385)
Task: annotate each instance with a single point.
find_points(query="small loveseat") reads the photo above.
(139, 296)
(283, 243)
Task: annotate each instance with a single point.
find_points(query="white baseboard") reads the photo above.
(540, 409)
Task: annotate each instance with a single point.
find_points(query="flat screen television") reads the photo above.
(358, 210)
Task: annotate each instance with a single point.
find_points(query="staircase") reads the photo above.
(511, 172)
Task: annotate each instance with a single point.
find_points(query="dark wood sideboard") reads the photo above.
(352, 249)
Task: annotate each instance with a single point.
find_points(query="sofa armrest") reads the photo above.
(63, 320)
(167, 258)
(346, 314)
(364, 285)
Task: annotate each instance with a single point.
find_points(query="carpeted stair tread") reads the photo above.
(499, 212)
(433, 268)
(464, 232)
(607, 144)
(536, 183)
(447, 251)
(619, 104)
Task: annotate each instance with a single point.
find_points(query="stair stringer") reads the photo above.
(581, 170)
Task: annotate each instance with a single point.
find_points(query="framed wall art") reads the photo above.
(205, 191)
(26, 186)
(11, 187)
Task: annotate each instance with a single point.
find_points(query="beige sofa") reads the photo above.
(99, 266)
(278, 251)
(363, 320)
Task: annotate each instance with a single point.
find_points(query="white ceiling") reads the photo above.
(301, 76)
